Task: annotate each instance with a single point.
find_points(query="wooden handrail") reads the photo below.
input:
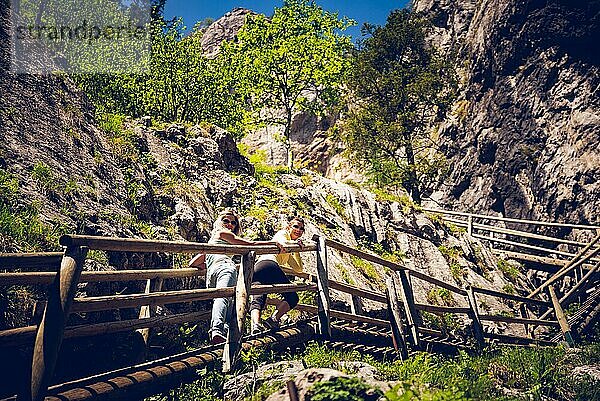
(519, 320)
(145, 245)
(393, 266)
(169, 297)
(517, 233)
(521, 221)
(25, 335)
(12, 261)
(512, 297)
(25, 278)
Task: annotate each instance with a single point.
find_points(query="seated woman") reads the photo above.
(221, 271)
(269, 270)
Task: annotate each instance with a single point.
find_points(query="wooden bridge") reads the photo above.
(401, 332)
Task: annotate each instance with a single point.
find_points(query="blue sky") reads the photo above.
(374, 11)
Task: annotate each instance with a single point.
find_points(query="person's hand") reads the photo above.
(281, 247)
(300, 244)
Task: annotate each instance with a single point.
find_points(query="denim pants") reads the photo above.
(220, 275)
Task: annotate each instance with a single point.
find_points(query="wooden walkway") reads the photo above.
(402, 331)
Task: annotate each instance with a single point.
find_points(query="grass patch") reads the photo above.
(508, 270)
(367, 270)
(20, 222)
(440, 296)
(335, 203)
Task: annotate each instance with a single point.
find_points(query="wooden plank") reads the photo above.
(530, 258)
(94, 304)
(395, 314)
(50, 333)
(412, 316)
(343, 315)
(233, 345)
(440, 283)
(442, 309)
(145, 245)
(519, 233)
(323, 300)
(524, 312)
(394, 266)
(560, 316)
(148, 311)
(26, 278)
(577, 261)
(522, 245)
(363, 255)
(357, 292)
(143, 380)
(512, 297)
(26, 335)
(517, 340)
(475, 319)
(519, 320)
(520, 221)
(13, 261)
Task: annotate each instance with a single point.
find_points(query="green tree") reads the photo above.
(294, 61)
(399, 85)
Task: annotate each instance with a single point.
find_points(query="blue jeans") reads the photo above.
(220, 275)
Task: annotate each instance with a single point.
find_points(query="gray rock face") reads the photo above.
(225, 28)
(523, 138)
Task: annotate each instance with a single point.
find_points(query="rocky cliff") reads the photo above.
(523, 137)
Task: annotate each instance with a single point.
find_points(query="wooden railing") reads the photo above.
(62, 272)
(480, 226)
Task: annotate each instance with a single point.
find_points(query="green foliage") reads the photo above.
(45, 177)
(401, 85)
(293, 61)
(452, 254)
(335, 203)
(20, 222)
(367, 270)
(508, 269)
(409, 392)
(509, 289)
(342, 389)
(441, 296)
(345, 275)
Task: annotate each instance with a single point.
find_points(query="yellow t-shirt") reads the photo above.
(287, 261)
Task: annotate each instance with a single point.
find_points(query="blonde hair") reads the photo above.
(218, 224)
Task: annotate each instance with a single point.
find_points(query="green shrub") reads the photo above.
(335, 203)
(368, 270)
(343, 389)
(509, 270)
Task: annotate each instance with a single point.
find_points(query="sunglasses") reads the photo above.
(297, 227)
(227, 221)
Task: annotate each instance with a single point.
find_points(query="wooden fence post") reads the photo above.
(412, 316)
(470, 225)
(356, 307)
(560, 316)
(474, 315)
(236, 325)
(395, 314)
(50, 331)
(524, 312)
(147, 311)
(323, 288)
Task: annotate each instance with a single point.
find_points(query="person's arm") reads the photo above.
(236, 240)
(198, 261)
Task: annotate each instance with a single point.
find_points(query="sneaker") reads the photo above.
(217, 339)
(256, 329)
(270, 323)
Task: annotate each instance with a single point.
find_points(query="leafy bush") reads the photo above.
(343, 389)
